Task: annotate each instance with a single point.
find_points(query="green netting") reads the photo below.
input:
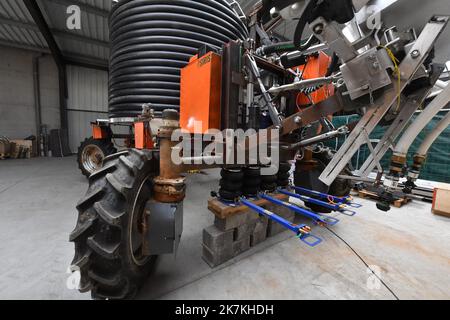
(437, 167)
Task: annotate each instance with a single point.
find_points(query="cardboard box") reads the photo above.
(441, 201)
(5, 148)
(22, 149)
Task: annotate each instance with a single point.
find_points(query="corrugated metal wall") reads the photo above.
(88, 101)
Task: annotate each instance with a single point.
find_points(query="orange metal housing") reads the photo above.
(142, 136)
(315, 67)
(200, 93)
(99, 132)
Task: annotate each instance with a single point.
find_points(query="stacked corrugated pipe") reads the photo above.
(151, 40)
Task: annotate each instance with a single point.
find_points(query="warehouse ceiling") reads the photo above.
(86, 46)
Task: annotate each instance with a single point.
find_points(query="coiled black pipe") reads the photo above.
(151, 40)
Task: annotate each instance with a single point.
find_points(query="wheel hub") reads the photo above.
(92, 158)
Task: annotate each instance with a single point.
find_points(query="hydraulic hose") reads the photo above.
(288, 46)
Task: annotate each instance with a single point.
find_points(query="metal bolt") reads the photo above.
(298, 120)
(318, 28)
(415, 54)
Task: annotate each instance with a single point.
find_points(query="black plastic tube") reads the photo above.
(151, 40)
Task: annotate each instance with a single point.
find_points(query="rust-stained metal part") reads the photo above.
(169, 186)
(170, 190)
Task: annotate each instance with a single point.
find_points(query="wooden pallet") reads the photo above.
(223, 210)
(372, 195)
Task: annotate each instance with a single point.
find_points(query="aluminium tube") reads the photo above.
(433, 135)
(422, 120)
(399, 157)
(421, 154)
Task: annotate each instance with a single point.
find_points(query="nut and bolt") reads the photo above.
(318, 28)
(298, 120)
(415, 54)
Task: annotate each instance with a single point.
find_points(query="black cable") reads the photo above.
(306, 17)
(365, 263)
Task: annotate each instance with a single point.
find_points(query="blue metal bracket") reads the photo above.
(302, 231)
(319, 219)
(339, 207)
(341, 200)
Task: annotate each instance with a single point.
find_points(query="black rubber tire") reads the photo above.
(284, 176)
(342, 187)
(269, 179)
(252, 182)
(251, 172)
(230, 185)
(283, 183)
(339, 187)
(229, 195)
(232, 174)
(103, 250)
(269, 187)
(106, 146)
(284, 167)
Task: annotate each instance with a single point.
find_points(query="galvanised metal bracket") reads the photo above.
(381, 106)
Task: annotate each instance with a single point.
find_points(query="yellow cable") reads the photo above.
(395, 61)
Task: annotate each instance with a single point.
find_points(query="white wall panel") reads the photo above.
(87, 101)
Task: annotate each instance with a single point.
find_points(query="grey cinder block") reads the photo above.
(241, 246)
(259, 233)
(235, 220)
(275, 228)
(216, 239)
(215, 258)
(244, 230)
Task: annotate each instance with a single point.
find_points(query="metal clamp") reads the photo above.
(305, 239)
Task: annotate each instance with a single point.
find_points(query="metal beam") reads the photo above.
(56, 32)
(83, 6)
(39, 19)
(77, 37)
(86, 62)
(70, 59)
(22, 46)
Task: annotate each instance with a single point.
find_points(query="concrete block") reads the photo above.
(241, 246)
(259, 233)
(215, 258)
(275, 228)
(235, 220)
(281, 211)
(244, 230)
(216, 239)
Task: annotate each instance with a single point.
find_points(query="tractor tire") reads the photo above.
(91, 154)
(232, 174)
(107, 251)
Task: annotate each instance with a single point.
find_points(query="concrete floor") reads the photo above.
(409, 247)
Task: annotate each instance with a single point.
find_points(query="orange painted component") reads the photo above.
(142, 136)
(316, 67)
(200, 93)
(99, 132)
